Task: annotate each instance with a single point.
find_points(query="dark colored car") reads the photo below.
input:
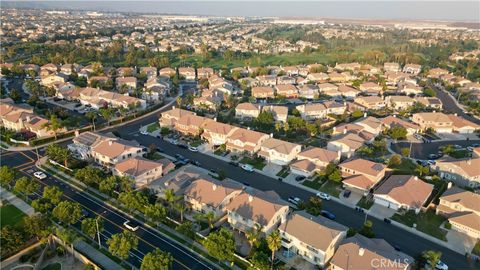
(159, 149)
(327, 214)
(233, 163)
(386, 220)
(182, 145)
(347, 193)
(299, 178)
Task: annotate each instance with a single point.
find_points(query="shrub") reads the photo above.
(60, 251)
(448, 225)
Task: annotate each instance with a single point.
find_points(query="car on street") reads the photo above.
(433, 156)
(131, 225)
(159, 149)
(294, 200)
(178, 156)
(181, 145)
(233, 163)
(196, 163)
(456, 146)
(144, 132)
(193, 149)
(247, 167)
(323, 196)
(441, 266)
(328, 214)
(470, 149)
(40, 175)
(476, 145)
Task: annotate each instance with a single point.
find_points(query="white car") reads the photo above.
(40, 175)
(247, 167)
(144, 132)
(132, 226)
(441, 266)
(193, 149)
(323, 196)
(294, 200)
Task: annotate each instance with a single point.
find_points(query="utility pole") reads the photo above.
(98, 234)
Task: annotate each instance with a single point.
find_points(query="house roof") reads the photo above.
(318, 153)
(211, 192)
(363, 166)
(359, 181)
(406, 189)
(112, 148)
(217, 127)
(248, 106)
(301, 225)
(279, 145)
(137, 166)
(465, 198)
(246, 135)
(470, 167)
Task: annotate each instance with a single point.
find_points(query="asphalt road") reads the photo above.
(450, 105)
(422, 150)
(113, 220)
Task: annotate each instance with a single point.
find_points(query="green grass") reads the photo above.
(365, 203)
(332, 188)
(53, 266)
(315, 184)
(284, 172)
(476, 248)
(11, 215)
(152, 127)
(406, 167)
(460, 154)
(427, 222)
(257, 163)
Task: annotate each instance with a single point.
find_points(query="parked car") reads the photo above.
(386, 220)
(347, 193)
(40, 175)
(441, 266)
(144, 132)
(323, 196)
(328, 214)
(300, 178)
(178, 156)
(294, 200)
(181, 145)
(233, 163)
(131, 225)
(456, 146)
(196, 163)
(247, 167)
(470, 149)
(193, 149)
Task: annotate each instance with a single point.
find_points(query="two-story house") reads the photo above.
(279, 152)
(313, 159)
(361, 175)
(245, 140)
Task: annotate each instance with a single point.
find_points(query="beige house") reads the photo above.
(371, 88)
(437, 72)
(190, 124)
(287, 90)
(267, 80)
(360, 252)
(247, 110)
(317, 77)
(97, 98)
(314, 238)
(430, 102)
(186, 72)
(129, 82)
(167, 72)
(403, 192)
(462, 209)
(361, 175)
(399, 103)
(439, 122)
(170, 117)
(253, 208)
(216, 133)
(204, 73)
(279, 152)
(348, 92)
(312, 111)
(370, 102)
(280, 113)
(111, 151)
(463, 172)
(313, 159)
(392, 121)
(392, 67)
(263, 92)
(52, 79)
(346, 144)
(211, 195)
(245, 140)
(409, 89)
(412, 69)
(141, 170)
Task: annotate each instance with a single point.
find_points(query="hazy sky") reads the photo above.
(425, 10)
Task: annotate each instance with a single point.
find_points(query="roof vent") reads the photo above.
(214, 187)
(110, 143)
(361, 251)
(250, 198)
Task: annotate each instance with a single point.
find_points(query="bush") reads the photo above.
(351, 232)
(89, 267)
(448, 225)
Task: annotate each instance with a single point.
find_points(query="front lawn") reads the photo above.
(257, 162)
(315, 184)
(406, 167)
(332, 188)
(11, 215)
(427, 222)
(152, 127)
(284, 172)
(463, 153)
(365, 202)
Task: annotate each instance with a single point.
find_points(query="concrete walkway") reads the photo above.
(98, 257)
(17, 202)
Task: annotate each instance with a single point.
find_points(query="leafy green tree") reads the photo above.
(357, 114)
(186, 229)
(53, 194)
(7, 175)
(180, 207)
(429, 92)
(422, 170)
(42, 205)
(68, 236)
(405, 151)
(335, 176)
(157, 260)
(367, 229)
(67, 212)
(156, 212)
(89, 175)
(26, 186)
(89, 226)
(314, 205)
(108, 185)
(253, 235)
(11, 239)
(274, 241)
(259, 261)
(53, 125)
(37, 226)
(107, 114)
(121, 243)
(133, 200)
(432, 257)
(397, 132)
(92, 116)
(394, 161)
(221, 245)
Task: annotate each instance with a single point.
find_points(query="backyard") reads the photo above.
(427, 222)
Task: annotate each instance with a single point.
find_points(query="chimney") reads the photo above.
(361, 251)
(248, 128)
(214, 187)
(365, 114)
(469, 161)
(449, 185)
(415, 178)
(455, 114)
(395, 115)
(110, 143)
(77, 133)
(215, 119)
(271, 135)
(345, 131)
(334, 129)
(173, 107)
(250, 198)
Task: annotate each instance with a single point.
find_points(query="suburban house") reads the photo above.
(463, 172)
(348, 92)
(285, 80)
(170, 117)
(430, 102)
(360, 252)
(253, 208)
(308, 91)
(97, 98)
(314, 238)
(247, 110)
(211, 195)
(462, 125)
(267, 80)
(412, 69)
(392, 121)
(437, 72)
(287, 90)
(52, 79)
(403, 192)
(129, 82)
(167, 72)
(186, 72)
(370, 124)
(370, 102)
(326, 88)
(371, 88)
(399, 103)
(392, 67)
(279, 152)
(317, 77)
(346, 144)
(149, 71)
(312, 111)
(409, 89)
(361, 175)
(313, 159)
(439, 122)
(204, 73)
(245, 140)
(216, 133)
(141, 170)
(190, 124)
(263, 92)
(280, 113)
(462, 208)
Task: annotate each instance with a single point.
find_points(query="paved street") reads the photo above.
(450, 105)
(422, 150)
(113, 220)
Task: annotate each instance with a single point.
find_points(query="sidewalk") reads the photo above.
(17, 202)
(95, 255)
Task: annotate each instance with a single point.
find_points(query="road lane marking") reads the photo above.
(26, 156)
(24, 165)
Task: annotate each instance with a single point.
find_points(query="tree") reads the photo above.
(156, 212)
(42, 205)
(367, 229)
(274, 241)
(429, 92)
(397, 132)
(133, 200)
(37, 226)
(357, 114)
(7, 175)
(108, 185)
(89, 175)
(432, 257)
(259, 261)
(68, 236)
(186, 229)
(53, 125)
(92, 116)
(121, 243)
(179, 102)
(107, 114)
(170, 197)
(405, 151)
(180, 207)
(10, 238)
(253, 235)
(221, 245)
(27, 186)
(89, 226)
(157, 260)
(53, 194)
(394, 161)
(422, 170)
(335, 176)
(67, 212)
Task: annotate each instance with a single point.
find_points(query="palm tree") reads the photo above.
(253, 235)
(67, 236)
(53, 125)
(274, 242)
(210, 217)
(170, 198)
(180, 207)
(432, 257)
(92, 117)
